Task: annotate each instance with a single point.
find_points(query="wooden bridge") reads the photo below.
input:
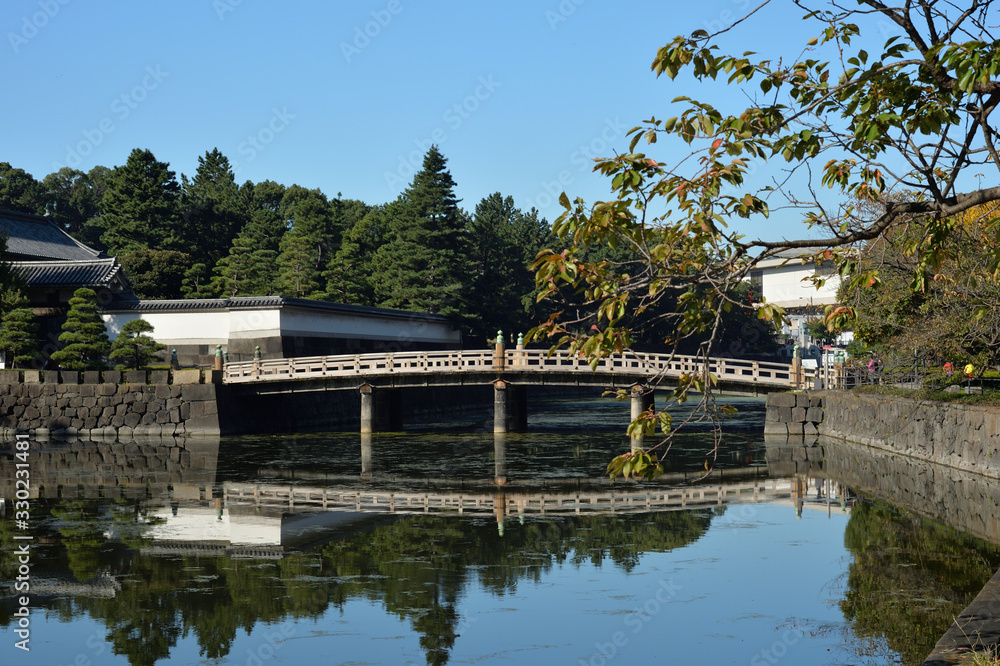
(509, 371)
(625, 498)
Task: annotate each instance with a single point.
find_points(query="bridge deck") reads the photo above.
(529, 365)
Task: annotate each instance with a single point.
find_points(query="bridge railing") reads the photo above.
(518, 360)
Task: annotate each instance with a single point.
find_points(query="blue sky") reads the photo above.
(347, 96)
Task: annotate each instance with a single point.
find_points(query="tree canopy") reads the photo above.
(913, 113)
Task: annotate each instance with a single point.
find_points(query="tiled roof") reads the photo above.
(32, 237)
(132, 304)
(54, 274)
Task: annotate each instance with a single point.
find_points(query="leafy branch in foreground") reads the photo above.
(915, 114)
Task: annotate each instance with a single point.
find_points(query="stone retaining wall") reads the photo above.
(961, 436)
(160, 403)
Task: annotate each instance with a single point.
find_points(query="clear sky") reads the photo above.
(347, 96)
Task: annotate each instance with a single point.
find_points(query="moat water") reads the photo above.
(192, 553)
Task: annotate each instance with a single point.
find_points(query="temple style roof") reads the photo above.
(91, 273)
(36, 238)
(132, 304)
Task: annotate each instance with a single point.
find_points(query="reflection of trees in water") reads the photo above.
(416, 567)
(910, 577)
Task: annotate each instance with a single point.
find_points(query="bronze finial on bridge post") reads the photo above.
(498, 353)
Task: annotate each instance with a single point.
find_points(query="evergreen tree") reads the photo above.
(84, 338)
(504, 244)
(348, 275)
(19, 191)
(19, 336)
(424, 266)
(156, 273)
(306, 247)
(140, 207)
(197, 283)
(213, 210)
(72, 197)
(133, 348)
(251, 265)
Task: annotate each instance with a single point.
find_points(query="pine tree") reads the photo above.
(20, 191)
(348, 275)
(84, 338)
(306, 247)
(141, 206)
(213, 210)
(250, 268)
(11, 281)
(19, 336)
(504, 243)
(424, 266)
(133, 349)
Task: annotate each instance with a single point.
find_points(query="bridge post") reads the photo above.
(500, 458)
(499, 406)
(642, 401)
(366, 456)
(381, 410)
(499, 353)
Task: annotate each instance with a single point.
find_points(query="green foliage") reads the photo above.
(348, 275)
(141, 206)
(251, 267)
(424, 264)
(19, 336)
(133, 349)
(818, 331)
(213, 210)
(915, 114)
(504, 242)
(306, 247)
(19, 191)
(84, 337)
(72, 198)
(11, 281)
(155, 273)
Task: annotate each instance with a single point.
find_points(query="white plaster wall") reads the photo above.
(175, 328)
(788, 286)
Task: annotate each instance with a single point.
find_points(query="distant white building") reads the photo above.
(280, 326)
(786, 280)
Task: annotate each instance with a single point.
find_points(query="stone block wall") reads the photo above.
(794, 414)
(962, 436)
(108, 404)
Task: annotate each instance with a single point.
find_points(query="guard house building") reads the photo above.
(281, 327)
(53, 265)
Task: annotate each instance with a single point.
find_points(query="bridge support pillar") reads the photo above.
(642, 401)
(381, 409)
(510, 407)
(500, 458)
(366, 456)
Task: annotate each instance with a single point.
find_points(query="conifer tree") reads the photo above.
(133, 349)
(504, 244)
(250, 267)
(19, 336)
(213, 211)
(141, 206)
(20, 191)
(305, 248)
(348, 275)
(424, 266)
(84, 338)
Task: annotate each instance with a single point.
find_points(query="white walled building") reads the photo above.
(785, 280)
(281, 327)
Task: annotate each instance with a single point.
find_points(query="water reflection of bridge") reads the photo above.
(624, 499)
